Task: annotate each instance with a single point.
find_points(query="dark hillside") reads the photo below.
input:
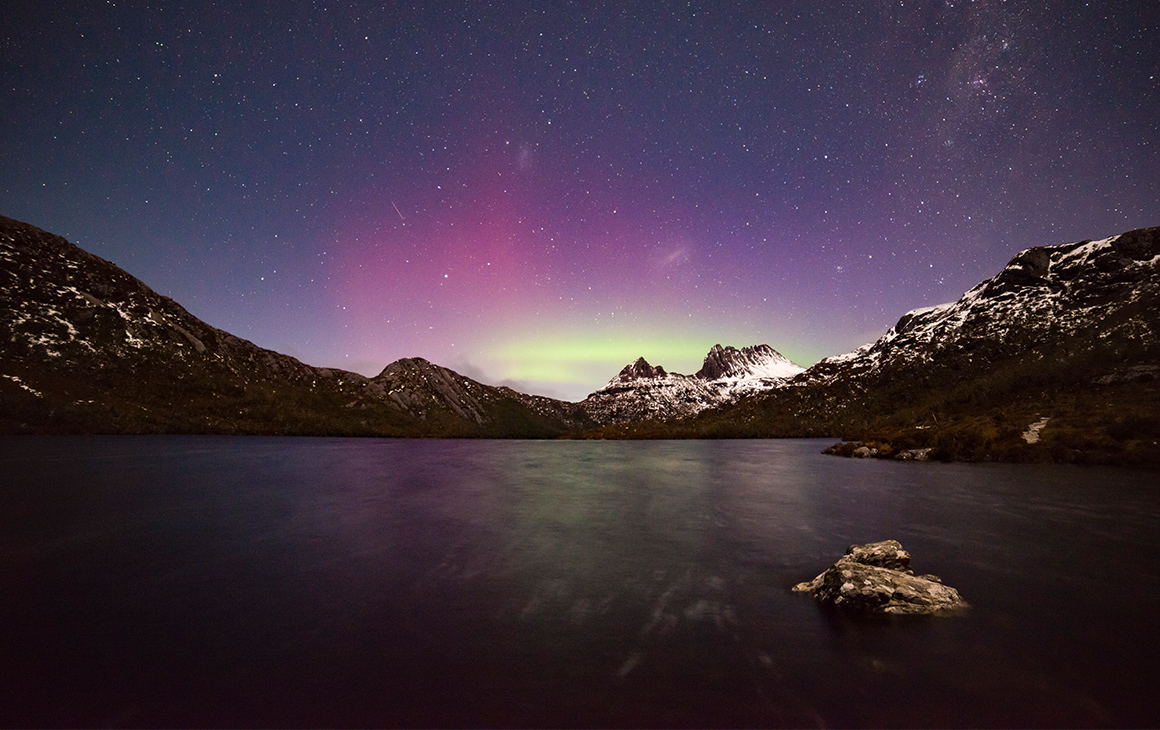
(87, 348)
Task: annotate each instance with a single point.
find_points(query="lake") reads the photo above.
(222, 581)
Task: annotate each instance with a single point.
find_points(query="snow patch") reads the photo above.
(1031, 435)
(24, 385)
(927, 310)
(84, 295)
(1081, 254)
(772, 368)
(847, 357)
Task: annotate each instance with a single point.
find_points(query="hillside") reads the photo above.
(1065, 336)
(87, 348)
(1055, 358)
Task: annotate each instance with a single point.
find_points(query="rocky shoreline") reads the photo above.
(861, 450)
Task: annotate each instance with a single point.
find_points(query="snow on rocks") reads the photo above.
(1043, 293)
(641, 391)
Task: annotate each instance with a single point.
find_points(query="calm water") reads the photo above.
(212, 581)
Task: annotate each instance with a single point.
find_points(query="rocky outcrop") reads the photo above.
(876, 578)
(729, 362)
(640, 369)
(860, 450)
(755, 362)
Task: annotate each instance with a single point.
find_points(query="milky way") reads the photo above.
(538, 193)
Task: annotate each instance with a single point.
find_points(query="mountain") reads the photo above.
(754, 365)
(87, 348)
(641, 392)
(1065, 338)
(1094, 296)
(1055, 358)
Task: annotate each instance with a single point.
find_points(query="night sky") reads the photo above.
(535, 194)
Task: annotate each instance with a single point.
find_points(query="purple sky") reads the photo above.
(536, 194)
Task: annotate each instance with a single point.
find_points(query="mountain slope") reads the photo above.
(1057, 357)
(1068, 333)
(1046, 295)
(642, 392)
(86, 347)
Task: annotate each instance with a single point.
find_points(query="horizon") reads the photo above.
(535, 195)
(670, 371)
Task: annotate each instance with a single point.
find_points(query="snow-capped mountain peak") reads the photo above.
(1042, 296)
(637, 370)
(642, 391)
(758, 361)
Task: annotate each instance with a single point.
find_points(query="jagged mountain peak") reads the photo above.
(639, 369)
(748, 362)
(722, 362)
(643, 391)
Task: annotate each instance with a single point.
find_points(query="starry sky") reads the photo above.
(536, 193)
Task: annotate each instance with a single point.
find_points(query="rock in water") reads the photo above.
(876, 578)
(885, 554)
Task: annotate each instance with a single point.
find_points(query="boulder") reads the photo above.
(885, 554)
(876, 578)
(914, 455)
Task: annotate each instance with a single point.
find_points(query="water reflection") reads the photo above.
(334, 581)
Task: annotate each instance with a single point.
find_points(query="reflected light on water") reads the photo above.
(261, 581)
